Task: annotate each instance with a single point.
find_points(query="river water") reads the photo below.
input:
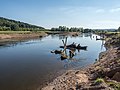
(28, 64)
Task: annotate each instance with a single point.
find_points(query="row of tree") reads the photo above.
(72, 29)
(8, 24)
(105, 30)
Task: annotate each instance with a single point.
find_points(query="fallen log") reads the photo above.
(57, 52)
(100, 39)
(64, 56)
(76, 47)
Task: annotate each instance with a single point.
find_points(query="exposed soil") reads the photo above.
(13, 38)
(21, 36)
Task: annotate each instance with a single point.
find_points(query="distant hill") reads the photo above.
(8, 24)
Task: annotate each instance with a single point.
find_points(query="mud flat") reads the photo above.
(23, 35)
(13, 37)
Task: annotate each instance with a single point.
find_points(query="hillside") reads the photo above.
(8, 24)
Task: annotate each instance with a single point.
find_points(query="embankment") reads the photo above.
(21, 35)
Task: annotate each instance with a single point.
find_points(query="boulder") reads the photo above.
(116, 76)
(112, 72)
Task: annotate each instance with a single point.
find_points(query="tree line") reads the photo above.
(72, 29)
(8, 24)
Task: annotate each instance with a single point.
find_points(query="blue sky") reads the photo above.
(71, 13)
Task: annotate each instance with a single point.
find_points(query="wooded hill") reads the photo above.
(8, 24)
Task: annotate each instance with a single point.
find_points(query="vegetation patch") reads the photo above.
(114, 85)
(99, 81)
(12, 25)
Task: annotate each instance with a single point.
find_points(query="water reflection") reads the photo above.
(61, 37)
(102, 45)
(87, 34)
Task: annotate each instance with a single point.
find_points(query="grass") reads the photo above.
(113, 32)
(114, 85)
(99, 80)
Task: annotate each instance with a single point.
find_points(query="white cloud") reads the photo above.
(115, 10)
(100, 11)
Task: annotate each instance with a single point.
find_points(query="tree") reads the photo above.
(8, 24)
(14, 27)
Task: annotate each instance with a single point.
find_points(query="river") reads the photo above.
(28, 64)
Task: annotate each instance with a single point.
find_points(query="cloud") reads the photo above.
(115, 10)
(100, 11)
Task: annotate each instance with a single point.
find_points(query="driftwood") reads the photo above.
(63, 52)
(76, 47)
(57, 51)
(64, 43)
(100, 39)
(63, 56)
(72, 48)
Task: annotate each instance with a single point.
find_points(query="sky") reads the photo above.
(94, 14)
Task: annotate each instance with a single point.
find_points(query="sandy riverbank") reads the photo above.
(22, 36)
(104, 74)
(16, 37)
